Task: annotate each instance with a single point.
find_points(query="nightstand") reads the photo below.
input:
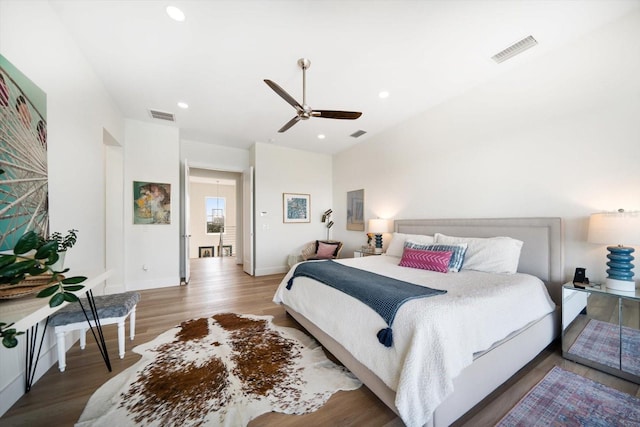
(360, 253)
(601, 329)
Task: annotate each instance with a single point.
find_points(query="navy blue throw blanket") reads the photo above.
(383, 294)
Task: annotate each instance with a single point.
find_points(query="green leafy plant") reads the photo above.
(65, 242)
(34, 256)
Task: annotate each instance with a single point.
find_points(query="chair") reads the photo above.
(322, 249)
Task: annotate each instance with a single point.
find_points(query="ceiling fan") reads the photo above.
(304, 112)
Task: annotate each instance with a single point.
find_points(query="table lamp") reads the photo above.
(617, 228)
(377, 227)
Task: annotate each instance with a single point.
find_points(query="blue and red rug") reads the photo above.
(563, 398)
(600, 341)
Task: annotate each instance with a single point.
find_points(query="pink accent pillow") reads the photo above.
(426, 260)
(325, 251)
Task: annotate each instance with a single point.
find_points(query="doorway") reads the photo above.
(215, 212)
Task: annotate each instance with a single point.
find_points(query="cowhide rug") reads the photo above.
(224, 370)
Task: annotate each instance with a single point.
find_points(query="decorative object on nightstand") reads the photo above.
(377, 227)
(617, 228)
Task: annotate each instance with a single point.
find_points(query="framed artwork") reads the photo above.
(151, 203)
(355, 210)
(24, 192)
(296, 207)
(206, 251)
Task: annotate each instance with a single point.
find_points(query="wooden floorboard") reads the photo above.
(219, 285)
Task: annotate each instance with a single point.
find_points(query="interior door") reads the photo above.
(247, 222)
(187, 225)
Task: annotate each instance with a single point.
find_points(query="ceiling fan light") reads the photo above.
(175, 13)
(183, 105)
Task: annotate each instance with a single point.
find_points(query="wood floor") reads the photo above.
(219, 285)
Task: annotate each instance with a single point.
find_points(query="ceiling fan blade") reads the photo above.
(277, 89)
(290, 123)
(330, 114)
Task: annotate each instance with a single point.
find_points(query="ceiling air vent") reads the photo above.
(515, 49)
(358, 134)
(162, 115)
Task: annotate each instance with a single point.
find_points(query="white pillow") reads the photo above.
(491, 254)
(396, 246)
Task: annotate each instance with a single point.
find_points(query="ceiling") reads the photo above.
(421, 52)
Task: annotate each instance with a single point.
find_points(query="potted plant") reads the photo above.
(64, 242)
(35, 256)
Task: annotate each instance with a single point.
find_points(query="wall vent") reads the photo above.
(515, 49)
(162, 115)
(358, 134)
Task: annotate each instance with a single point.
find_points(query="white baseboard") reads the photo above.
(153, 284)
(271, 270)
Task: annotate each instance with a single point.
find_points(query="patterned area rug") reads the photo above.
(563, 398)
(220, 371)
(599, 341)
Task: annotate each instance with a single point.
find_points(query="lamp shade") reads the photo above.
(378, 226)
(615, 228)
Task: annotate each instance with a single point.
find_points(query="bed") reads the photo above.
(445, 356)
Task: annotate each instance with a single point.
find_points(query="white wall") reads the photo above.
(152, 251)
(206, 155)
(78, 111)
(556, 137)
(281, 170)
(114, 214)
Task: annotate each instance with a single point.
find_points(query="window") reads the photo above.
(215, 209)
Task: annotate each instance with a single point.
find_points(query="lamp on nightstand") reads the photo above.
(617, 228)
(377, 227)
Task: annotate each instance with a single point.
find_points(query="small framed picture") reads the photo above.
(296, 207)
(205, 251)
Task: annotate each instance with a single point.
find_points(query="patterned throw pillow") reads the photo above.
(457, 258)
(426, 260)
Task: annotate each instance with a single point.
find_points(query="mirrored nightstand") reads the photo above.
(601, 329)
(360, 253)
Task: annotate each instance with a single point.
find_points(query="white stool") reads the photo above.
(111, 309)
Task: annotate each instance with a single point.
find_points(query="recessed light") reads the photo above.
(175, 13)
(321, 136)
(183, 105)
(384, 94)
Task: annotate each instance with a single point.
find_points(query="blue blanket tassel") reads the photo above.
(385, 336)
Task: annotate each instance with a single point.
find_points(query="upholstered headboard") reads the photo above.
(541, 255)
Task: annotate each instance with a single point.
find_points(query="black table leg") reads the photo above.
(102, 345)
(31, 358)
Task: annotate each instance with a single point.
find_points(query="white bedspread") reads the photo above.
(434, 338)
